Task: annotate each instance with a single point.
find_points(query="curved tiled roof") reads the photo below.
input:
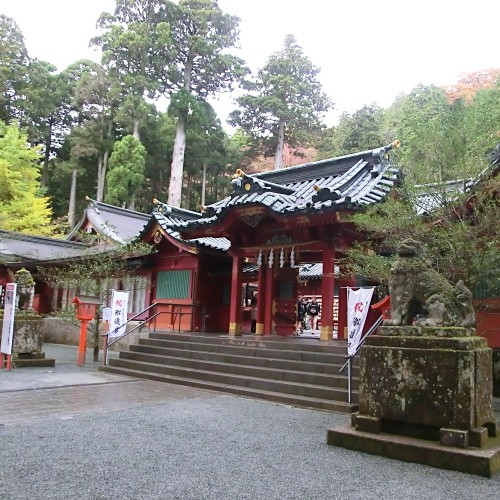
(16, 247)
(169, 218)
(348, 182)
(114, 223)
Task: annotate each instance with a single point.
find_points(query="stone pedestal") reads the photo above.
(27, 344)
(423, 392)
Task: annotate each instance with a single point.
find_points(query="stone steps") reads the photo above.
(292, 371)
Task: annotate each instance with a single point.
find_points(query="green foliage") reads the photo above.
(135, 43)
(126, 172)
(286, 92)
(22, 206)
(462, 236)
(95, 272)
(13, 68)
(201, 34)
(360, 131)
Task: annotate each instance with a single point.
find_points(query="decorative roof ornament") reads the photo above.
(246, 184)
(161, 208)
(94, 204)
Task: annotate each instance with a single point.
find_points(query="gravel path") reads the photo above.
(210, 446)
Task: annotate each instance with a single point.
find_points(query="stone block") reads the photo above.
(368, 424)
(493, 428)
(454, 437)
(430, 381)
(478, 437)
(27, 334)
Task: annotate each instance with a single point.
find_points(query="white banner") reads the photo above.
(358, 303)
(8, 318)
(119, 308)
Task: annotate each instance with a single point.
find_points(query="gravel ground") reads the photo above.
(210, 447)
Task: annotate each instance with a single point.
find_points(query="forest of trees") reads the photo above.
(94, 129)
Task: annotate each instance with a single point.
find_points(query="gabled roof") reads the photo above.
(436, 195)
(348, 182)
(119, 225)
(431, 196)
(168, 218)
(15, 247)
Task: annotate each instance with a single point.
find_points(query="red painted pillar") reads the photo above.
(261, 300)
(327, 293)
(235, 307)
(270, 302)
(82, 346)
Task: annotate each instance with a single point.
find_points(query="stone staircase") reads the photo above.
(287, 370)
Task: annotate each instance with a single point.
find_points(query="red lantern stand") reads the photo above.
(85, 312)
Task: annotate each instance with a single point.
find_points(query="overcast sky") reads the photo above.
(368, 50)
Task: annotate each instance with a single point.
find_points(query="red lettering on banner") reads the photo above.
(359, 307)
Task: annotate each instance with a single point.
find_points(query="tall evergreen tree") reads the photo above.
(13, 68)
(126, 172)
(201, 67)
(22, 206)
(135, 43)
(284, 101)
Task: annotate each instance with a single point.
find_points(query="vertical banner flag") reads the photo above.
(358, 302)
(8, 318)
(119, 308)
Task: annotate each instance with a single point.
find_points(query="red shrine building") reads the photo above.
(282, 219)
(279, 233)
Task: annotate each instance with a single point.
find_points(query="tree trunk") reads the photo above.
(177, 169)
(131, 204)
(203, 183)
(72, 200)
(278, 157)
(44, 180)
(189, 192)
(101, 169)
(136, 132)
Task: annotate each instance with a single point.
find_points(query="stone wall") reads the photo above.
(67, 331)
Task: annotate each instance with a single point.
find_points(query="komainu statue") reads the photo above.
(25, 289)
(421, 296)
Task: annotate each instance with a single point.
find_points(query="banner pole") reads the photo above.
(349, 380)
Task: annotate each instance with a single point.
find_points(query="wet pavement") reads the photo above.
(66, 390)
(30, 394)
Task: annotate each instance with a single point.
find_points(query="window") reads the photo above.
(173, 284)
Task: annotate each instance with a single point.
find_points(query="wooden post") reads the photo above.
(235, 307)
(261, 301)
(270, 300)
(327, 293)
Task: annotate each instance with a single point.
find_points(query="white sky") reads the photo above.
(368, 50)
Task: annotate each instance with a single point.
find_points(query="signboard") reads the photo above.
(8, 319)
(358, 303)
(106, 314)
(119, 308)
